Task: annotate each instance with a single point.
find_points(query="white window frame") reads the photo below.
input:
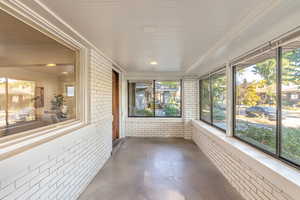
(17, 143)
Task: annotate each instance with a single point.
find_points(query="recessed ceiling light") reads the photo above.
(64, 72)
(51, 65)
(153, 63)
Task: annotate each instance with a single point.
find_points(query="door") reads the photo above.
(115, 105)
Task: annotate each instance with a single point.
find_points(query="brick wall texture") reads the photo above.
(249, 183)
(191, 105)
(154, 127)
(66, 165)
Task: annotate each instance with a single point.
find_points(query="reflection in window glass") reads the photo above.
(167, 98)
(219, 99)
(70, 91)
(290, 89)
(2, 102)
(205, 100)
(140, 98)
(20, 101)
(33, 79)
(256, 101)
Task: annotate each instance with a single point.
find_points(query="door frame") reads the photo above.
(121, 101)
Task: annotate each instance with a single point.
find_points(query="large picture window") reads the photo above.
(267, 102)
(213, 99)
(255, 86)
(290, 99)
(34, 73)
(154, 98)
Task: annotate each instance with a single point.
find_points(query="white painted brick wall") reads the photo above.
(154, 127)
(249, 183)
(62, 168)
(190, 105)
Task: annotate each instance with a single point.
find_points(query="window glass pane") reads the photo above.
(70, 91)
(290, 98)
(20, 101)
(205, 100)
(219, 99)
(167, 99)
(34, 79)
(256, 101)
(140, 98)
(2, 102)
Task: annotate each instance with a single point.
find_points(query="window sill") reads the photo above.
(276, 171)
(15, 144)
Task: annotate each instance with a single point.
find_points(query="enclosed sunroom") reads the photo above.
(150, 100)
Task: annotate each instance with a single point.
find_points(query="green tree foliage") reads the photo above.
(291, 67)
(267, 70)
(250, 97)
(219, 89)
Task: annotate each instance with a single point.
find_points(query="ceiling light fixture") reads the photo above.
(51, 65)
(64, 72)
(153, 63)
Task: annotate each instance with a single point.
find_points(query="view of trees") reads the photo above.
(205, 100)
(165, 103)
(256, 103)
(168, 98)
(213, 99)
(219, 99)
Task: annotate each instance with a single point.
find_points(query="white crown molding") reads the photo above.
(261, 10)
(116, 65)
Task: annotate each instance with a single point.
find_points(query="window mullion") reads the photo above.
(7, 99)
(154, 105)
(278, 110)
(211, 99)
(200, 99)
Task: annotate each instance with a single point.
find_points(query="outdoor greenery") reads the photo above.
(256, 86)
(262, 136)
(205, 100)
(144, 112)
(265, 138)
(171, 110)
(213, 97)
(218, 82)
(165, 103)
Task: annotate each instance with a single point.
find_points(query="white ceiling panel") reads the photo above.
(188, 36)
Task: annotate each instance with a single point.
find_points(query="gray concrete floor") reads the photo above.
(159, 169)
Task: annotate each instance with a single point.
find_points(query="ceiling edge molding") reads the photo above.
(79, 35)
(252, 17)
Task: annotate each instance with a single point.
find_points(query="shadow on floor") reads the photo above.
(159, 169)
